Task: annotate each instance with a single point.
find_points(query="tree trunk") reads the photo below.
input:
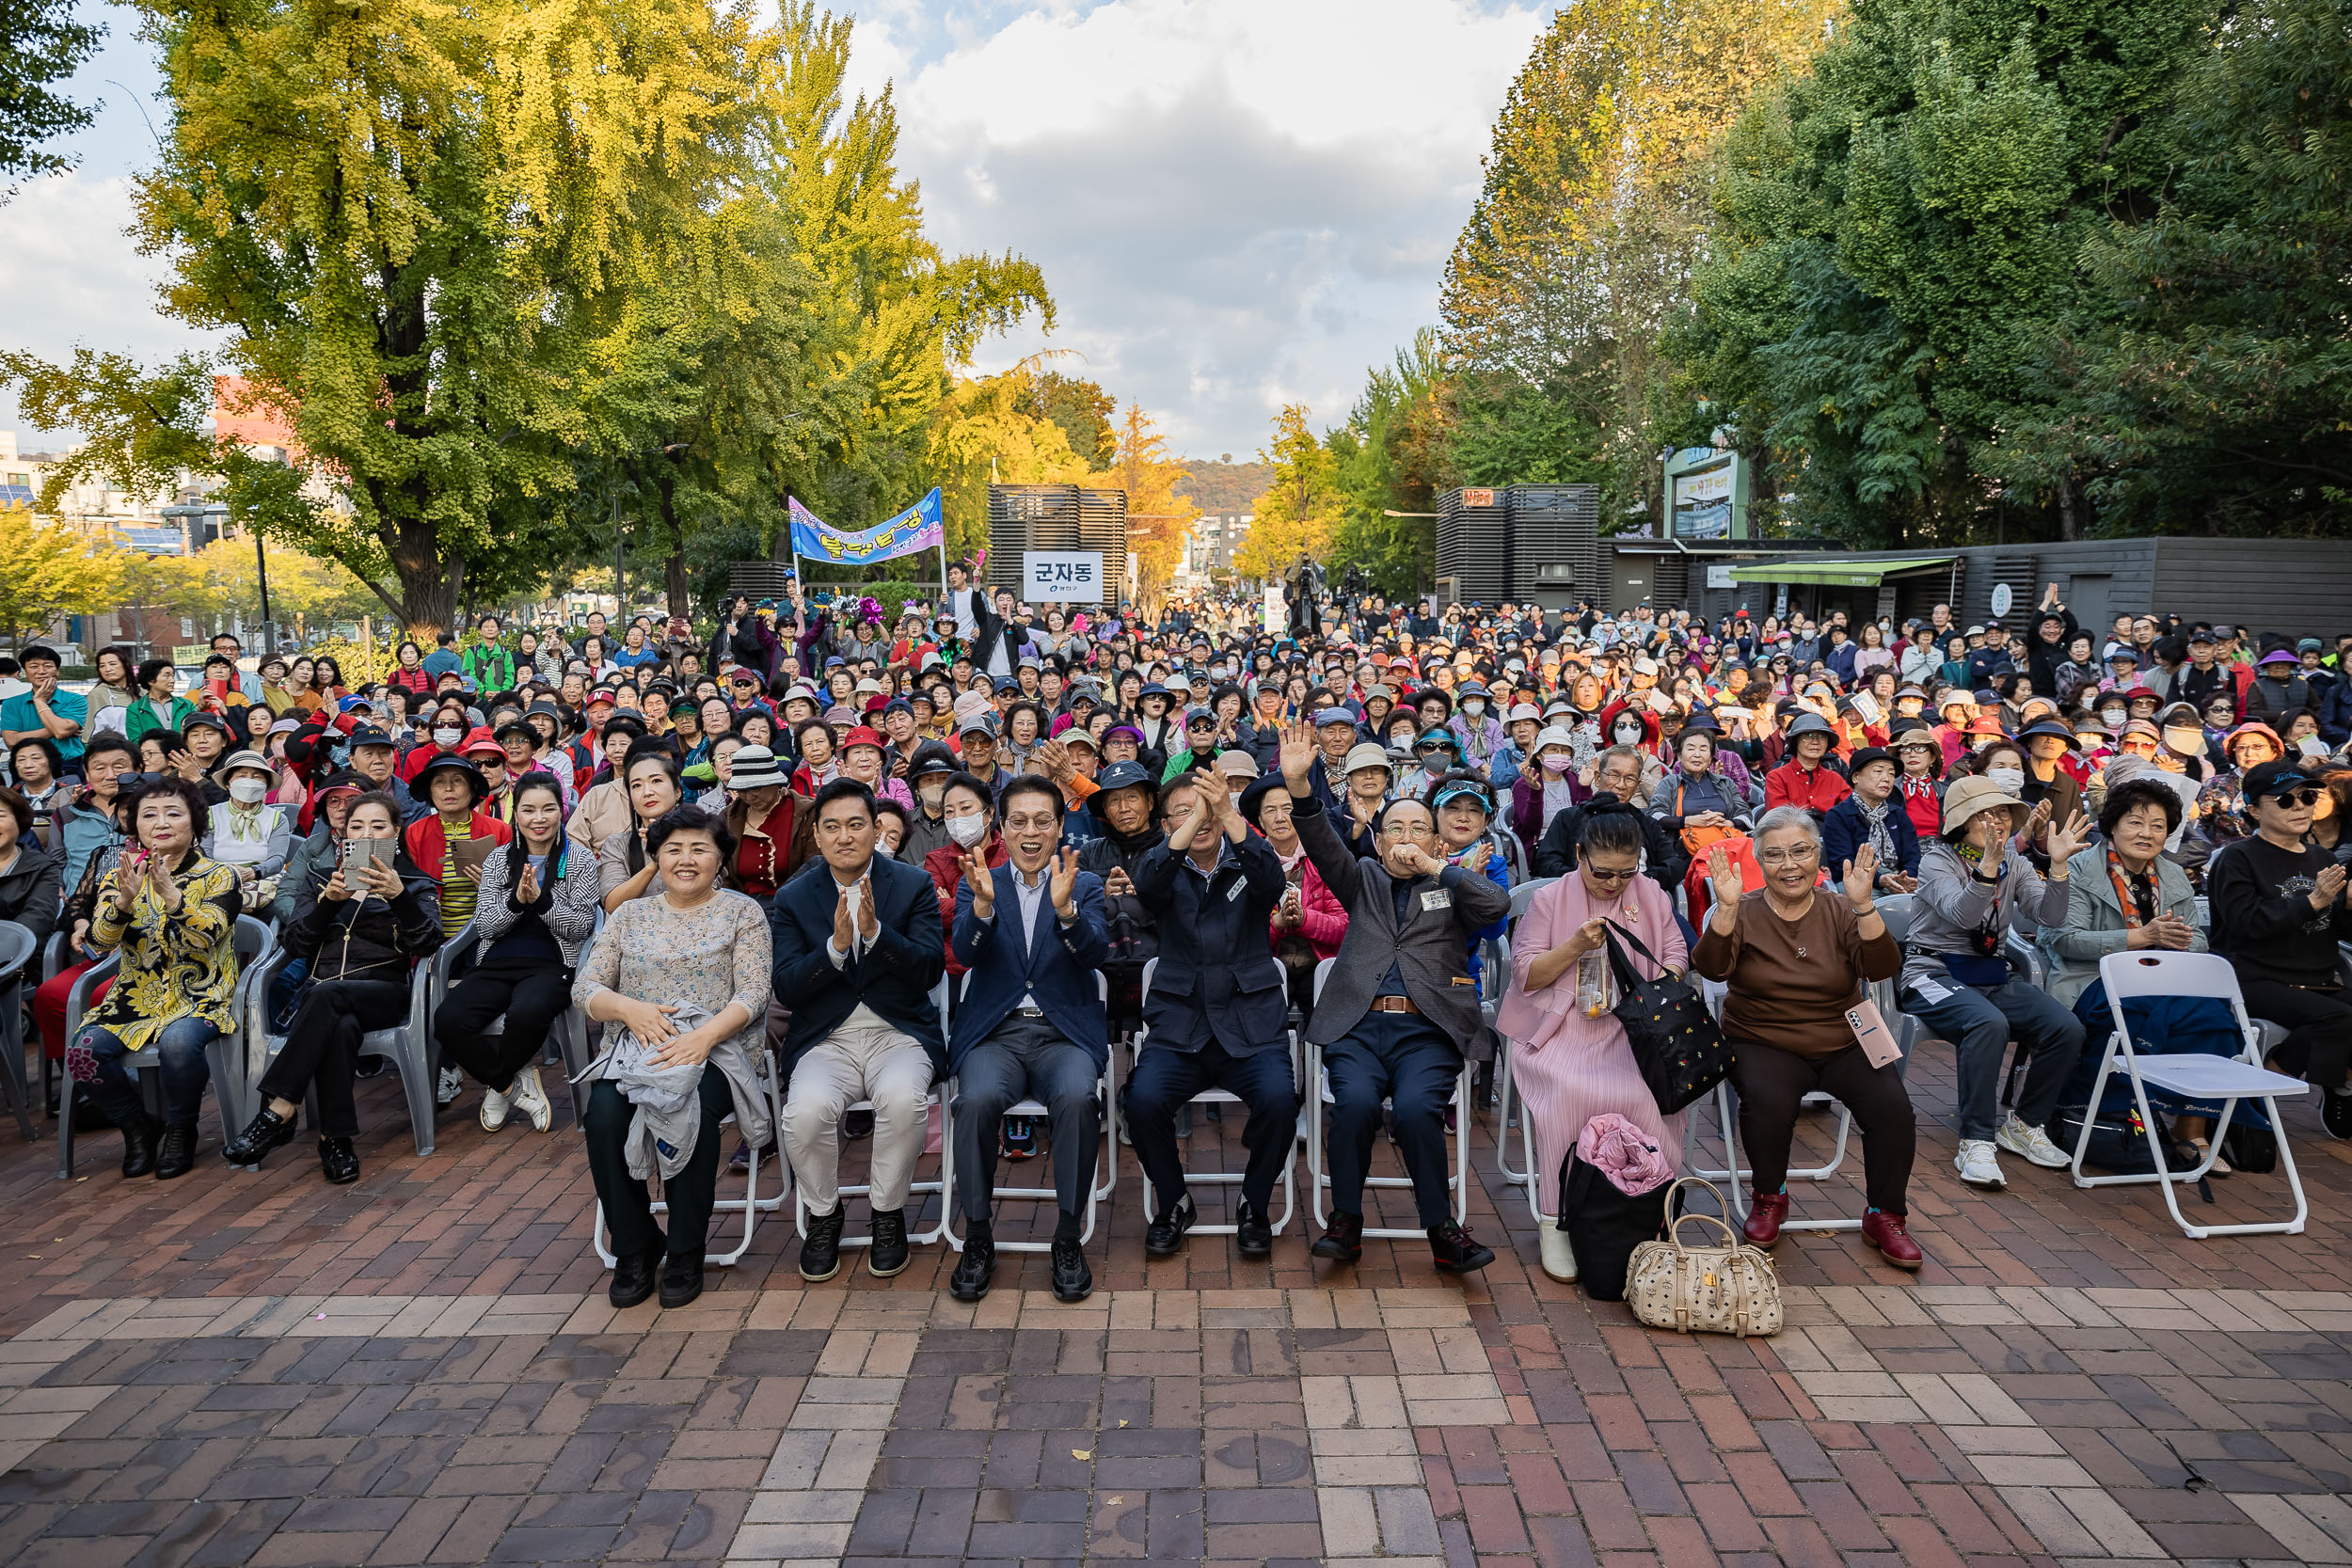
(674, 567)
(2070, 524)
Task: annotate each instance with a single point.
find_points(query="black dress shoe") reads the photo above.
(266, 1132)
(973, 1268)
(1251, 1234)
(888, 1254)
(1165, 1236)
(175, 1152)
(1457, 1251)
(1343, 1240)
(820, 1255)
(1072, 1279)
(339, 1162)
(681, 1279)
(139, 1144)
(633, 1278)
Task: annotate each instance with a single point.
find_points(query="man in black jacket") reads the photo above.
(1398, 1008)
(1616, 775)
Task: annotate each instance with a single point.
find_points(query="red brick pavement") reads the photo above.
(1874, 1431)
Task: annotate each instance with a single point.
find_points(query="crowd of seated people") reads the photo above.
(771, 845)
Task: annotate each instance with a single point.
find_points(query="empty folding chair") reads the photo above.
(2227, 1079)
(1318, 1158)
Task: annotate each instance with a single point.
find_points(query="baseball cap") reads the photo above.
(1120, 775)
(1364, 754)
(2280, 777)
(1334, 716)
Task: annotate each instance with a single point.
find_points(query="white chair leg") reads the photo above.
(1503, 1121)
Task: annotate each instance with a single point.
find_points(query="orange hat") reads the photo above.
(481, 742)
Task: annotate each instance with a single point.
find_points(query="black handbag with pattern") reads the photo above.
(1676, 1043)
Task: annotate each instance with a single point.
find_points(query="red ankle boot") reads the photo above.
(1886, 1231)
(1765, 1218)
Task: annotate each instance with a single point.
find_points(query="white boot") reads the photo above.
(1559, 1258)
(494, 1107)
(531, 1100)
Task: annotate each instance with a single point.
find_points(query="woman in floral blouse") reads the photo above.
(172, 913)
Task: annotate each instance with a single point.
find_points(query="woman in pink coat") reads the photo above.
(1569, 1057)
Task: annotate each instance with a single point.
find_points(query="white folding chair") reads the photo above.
(1317, 1157)
(750, 1205)
(1217, 1097)
(2228, 1078)
(1105, 1159)
(1520, 896)
(945, 1186)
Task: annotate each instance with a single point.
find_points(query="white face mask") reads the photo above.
(246, 790)
(967, 830)
(2010, 780)
(1474, 707)
(447, 736)
(2188, 742)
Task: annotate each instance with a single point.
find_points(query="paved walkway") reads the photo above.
(256, 1369)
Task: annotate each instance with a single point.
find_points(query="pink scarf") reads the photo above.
(1623, 1153)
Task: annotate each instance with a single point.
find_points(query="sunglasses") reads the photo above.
(2305, 798)
(1596, 874)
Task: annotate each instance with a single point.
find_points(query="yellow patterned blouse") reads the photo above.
(179, 966)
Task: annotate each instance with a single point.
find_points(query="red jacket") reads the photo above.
(1790, 786)
(1322, 918)
(428, 845)
(945, 864)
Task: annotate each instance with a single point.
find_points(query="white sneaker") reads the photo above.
(1559, 1258)
(448, 1086)
(1976, 1165)
(2030, 1143)
(494, 1108)
(531, 1100)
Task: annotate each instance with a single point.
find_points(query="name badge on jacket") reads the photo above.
(1234, 892)
(1436, 898)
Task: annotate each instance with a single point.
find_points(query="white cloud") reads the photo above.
(1236, 204)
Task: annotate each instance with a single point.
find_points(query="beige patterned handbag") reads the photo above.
(1729, 1289)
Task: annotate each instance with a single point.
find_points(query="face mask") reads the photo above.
(447, 736)
(967, 830)
(247, 791)
(1554, 763)
(1627, 734)
(932, 793)
(1474, 707)
(2189, 742)
(2010, 780)
(2112, 716)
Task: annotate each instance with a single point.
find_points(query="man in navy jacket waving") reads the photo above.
(1032, 932)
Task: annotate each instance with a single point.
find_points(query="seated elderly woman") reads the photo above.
(684, 975)
(1976, 885)
(2278, 917)
(1796, 957)
(361, 926)
(172, 913)
(537, 911)
(1569, 1056)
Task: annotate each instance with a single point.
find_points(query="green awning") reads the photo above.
(1837, 570)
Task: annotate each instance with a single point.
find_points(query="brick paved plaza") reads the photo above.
(258, 1368)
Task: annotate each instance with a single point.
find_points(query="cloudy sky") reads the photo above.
(1237, 203)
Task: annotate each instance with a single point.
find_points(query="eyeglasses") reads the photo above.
(1612, 878)
(1802, 853)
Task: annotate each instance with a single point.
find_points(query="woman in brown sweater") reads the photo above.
(1797, 958)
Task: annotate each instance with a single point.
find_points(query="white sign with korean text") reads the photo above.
(1062, 576)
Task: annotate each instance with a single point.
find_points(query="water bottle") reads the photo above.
(1593, 982)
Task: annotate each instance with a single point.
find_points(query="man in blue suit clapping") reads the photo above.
(1033, 932)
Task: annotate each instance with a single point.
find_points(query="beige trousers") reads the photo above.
(857, 1062)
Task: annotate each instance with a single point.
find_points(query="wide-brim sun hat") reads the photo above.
(1967, 797)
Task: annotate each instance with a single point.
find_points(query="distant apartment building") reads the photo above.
(1210, 545)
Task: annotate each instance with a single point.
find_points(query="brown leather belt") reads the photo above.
(1394, 1004)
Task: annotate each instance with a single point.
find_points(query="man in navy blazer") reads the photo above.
(1033, 932)
(1217, 1014)
(858, 949)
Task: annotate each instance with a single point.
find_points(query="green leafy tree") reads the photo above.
(1300, 510)
(1391, 456)
(1899, 247)
(41, 44)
